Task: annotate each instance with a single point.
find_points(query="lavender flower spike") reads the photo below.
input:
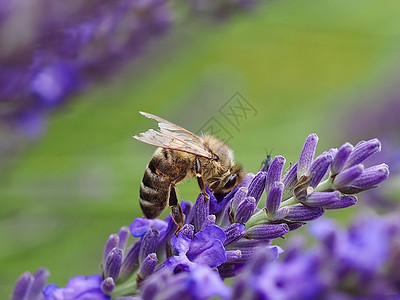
(307, 155)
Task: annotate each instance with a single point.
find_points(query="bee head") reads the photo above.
(223, 185)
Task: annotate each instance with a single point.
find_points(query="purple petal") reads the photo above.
(130, 262)
(123, 235)
(181, 242)
(234, 233)
(148, 265)
(201, 211)
(210, 220)
(140, 226)
(274, 197)
(345, 201)
(341, 157)
(319, 168)
(245, 210)
(289, 181)
(347, 176)
(257, 186)
(267, 231)
(107, 285)
(206, 284)
(204, 239)
(370, 178)
(212, 256)
(39, 282)
(307, 155)
(113, 263)
(22, 287)
(274, 172)
(149, 244)
(111, 243)
(362, 151)
(320, 199)
(238, 198)
(300, 212)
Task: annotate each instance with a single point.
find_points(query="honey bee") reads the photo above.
(182, 154)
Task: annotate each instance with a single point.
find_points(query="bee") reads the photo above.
(183, 155)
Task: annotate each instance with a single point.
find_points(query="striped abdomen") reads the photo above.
(166, 168)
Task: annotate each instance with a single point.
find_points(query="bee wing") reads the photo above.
(172, 136)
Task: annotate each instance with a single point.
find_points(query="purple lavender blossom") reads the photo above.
(61, 47)
(78, 287)
(222, 238)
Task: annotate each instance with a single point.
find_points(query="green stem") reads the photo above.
(291, 201)
(324, 186)
(258, 218)
(127, 289)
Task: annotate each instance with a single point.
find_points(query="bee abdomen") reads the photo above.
(154, 192)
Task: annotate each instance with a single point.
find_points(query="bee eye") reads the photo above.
(215, 157)
(231, 181)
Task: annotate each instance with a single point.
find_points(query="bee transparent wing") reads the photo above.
(174, 137)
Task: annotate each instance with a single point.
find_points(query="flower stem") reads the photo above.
(291, 201)
(258, 218)
(126, 289)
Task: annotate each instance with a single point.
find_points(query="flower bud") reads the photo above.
(245, 210)
(267, 231)
(113, 263)
(307, 155)
(107, 285)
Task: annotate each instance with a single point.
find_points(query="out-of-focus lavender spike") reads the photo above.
(345, 201)
(147, 267)
(130, 262)
(267, 231)
(362, 151)
(274, 197)
(319, 168)
(245, 210)
(257, 186)
(22, 287)
(300, 212)
(149, 244)
(39, 282)
(347, 176)
(307, 155)
(274, 172)
(123, 235)
(247, 180)
(209, 220)
(289, 181)
(233, 255)
(201, 211)
(238, 198)
(111, 243)
(113, 263)
(341, 157)
(107, 285)
(234, 233)
(320, 199)
(369, 178)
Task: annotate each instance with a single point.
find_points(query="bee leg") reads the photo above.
(176, 210)
(200, 181)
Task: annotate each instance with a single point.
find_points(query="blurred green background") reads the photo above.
(303, 65)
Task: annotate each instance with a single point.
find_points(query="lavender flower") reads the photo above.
(224, 237)
(30, 286)
(77, 287)
(66, 47)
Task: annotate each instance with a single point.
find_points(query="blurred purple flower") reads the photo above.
(78, 287)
